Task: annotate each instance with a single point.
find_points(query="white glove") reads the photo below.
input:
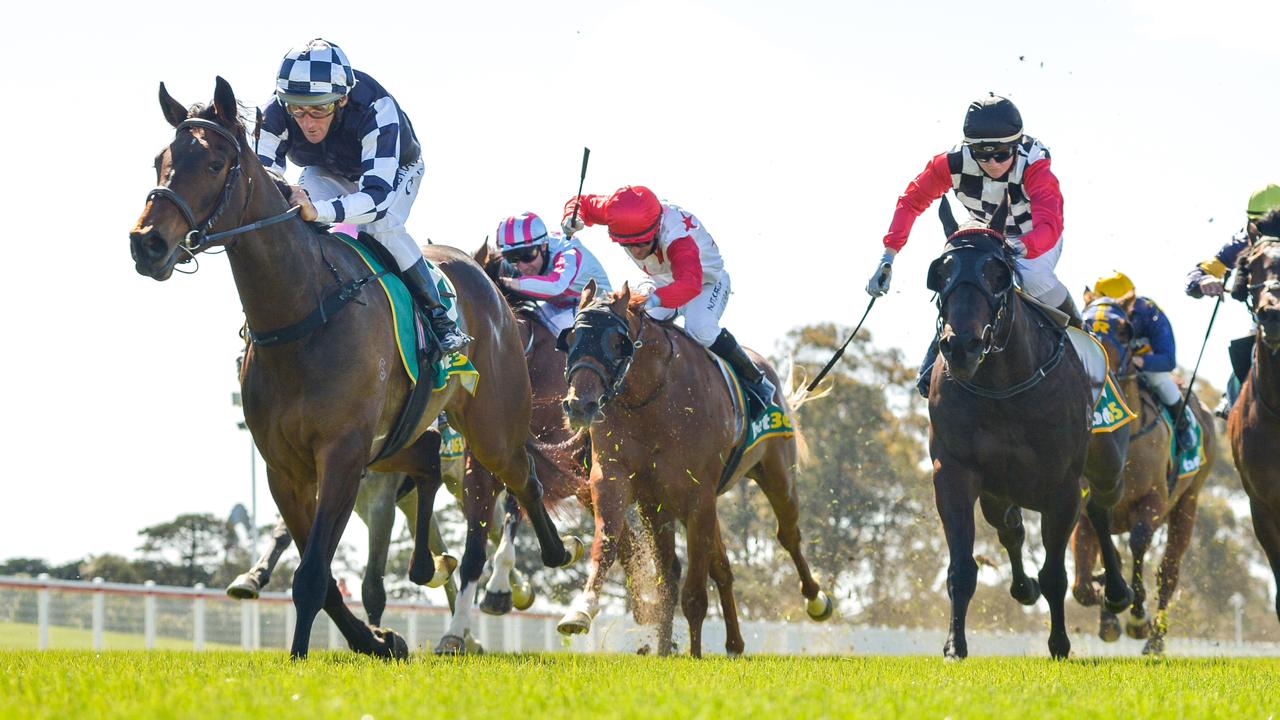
(878, 285)
(1211, 286)
(572, 224)
(653, 301)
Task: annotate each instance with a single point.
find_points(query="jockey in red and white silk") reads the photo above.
(684, 265)
(552, 269)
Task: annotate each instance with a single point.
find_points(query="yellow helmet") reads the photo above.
(1266, 199)
(1115, 285)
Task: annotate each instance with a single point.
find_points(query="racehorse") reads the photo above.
(322, 398)
(1254, 422)
(1148, 501)
(1009, 410)
(662, 424)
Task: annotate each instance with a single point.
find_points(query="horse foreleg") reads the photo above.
(377, 508)
(1182, 522)
(1056, 524)
(1266, 526)
(248, 585)
(1146, 516)
(497, 593)
(1006, 518)
(777, 481)
(424, 566)
(955, 491)
(699, 546)
(610, 495)
(1116, 594)
(478, 497)
(722, 574)
(1084, 548)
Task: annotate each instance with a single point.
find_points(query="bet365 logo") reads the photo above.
(772, 421)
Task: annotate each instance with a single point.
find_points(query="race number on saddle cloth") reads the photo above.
(551, 269)
(685, 266)
(405, 315)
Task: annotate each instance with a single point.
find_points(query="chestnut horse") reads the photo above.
(1254, 423)
(1148, 502)
(322, 402)
(1010, 410)
(661, 421)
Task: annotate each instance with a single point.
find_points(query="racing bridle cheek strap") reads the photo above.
(198, 236)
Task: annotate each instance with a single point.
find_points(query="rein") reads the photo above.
(1036, 377)
(199, 237)
(613, 374)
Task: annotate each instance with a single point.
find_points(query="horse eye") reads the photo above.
(216, 166)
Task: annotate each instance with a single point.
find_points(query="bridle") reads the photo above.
(588, 336)
(199, 237)
(971, 258)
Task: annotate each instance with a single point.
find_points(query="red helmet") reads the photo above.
(633, 214)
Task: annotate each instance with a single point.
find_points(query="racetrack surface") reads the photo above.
(175, 684)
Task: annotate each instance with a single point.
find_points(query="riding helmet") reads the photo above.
(992, 119)
(521, 231)
(632, 214)
(314, 74)
(1266, 199)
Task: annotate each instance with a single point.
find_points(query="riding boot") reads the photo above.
(1229, 397)
(419, 281)
(926, 369)
(1068, 306)
(1183, 437)
(760, 391)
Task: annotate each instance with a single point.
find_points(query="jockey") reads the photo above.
(684, 264)
(551, 269)
(1207, 278)
(360, 160)
(995, 165)
(1154, 350)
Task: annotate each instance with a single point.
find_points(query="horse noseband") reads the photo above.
(198, 236)
(589, 347)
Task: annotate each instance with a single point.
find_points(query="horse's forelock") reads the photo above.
(206, 111)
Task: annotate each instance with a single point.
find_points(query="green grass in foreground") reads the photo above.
(342, 685)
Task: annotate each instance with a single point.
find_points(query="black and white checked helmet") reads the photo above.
(315, 73)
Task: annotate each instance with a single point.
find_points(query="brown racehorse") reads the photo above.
(322, 401)
(662, 425)
(1009, 410)
(1147, 502)
(1254, 423)
(562, 476)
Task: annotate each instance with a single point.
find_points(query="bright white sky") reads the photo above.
(788, 129)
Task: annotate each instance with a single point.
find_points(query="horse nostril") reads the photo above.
(565, 405)
(973, 345)
(944, 344)
(591, 407)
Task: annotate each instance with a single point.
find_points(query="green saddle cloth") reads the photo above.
(1189, 461)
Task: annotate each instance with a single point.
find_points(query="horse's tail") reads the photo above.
(796, 394)
(562, 467)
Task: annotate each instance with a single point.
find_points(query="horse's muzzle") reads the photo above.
(152, 255)
(962, 352)
(1269, 321)
(581, 413)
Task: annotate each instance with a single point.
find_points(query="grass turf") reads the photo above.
(342, 685)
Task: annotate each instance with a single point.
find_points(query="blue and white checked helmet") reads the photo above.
(316, 73)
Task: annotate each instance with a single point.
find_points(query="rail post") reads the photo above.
(42, 612)
(149, 615)
(197, 621)
(99, 613)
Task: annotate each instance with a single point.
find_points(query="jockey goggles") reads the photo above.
(522, 255)
(316, 112)
(991, 153)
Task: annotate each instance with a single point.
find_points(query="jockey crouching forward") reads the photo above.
(1154, 350)
(684, 264)
(551, 269)
(360, 160)
(1207, 279)
(996, 164)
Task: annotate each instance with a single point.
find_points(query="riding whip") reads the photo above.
(1186, 397)
(835, 358)
(586, 155)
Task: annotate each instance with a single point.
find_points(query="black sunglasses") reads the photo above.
(991, 155)
(524, 255)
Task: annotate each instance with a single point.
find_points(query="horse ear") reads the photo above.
(949, 224)
(1089, 297)
(588, 294)
(481, 255)
(1001, 215)
(622, 299)
(224, 103)
(174, 112)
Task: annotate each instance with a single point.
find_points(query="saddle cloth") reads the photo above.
(1109, 409)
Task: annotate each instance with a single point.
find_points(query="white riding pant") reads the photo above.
(557, 319)
(1039, 280)
(321, 184)
(1164, 386)
(701, 314)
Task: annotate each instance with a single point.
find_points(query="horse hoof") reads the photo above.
(496, 603)
(574, 549)
(575, 622)
(1109, 627)
(391, 645)
(820, 608)
(445, 565)
(1154, 646)
(1027, 593)
(244, 587)
(1137, 628)
(1086, 595)
(1119, 606)
(522, 595)
(451, 645)
(1059, 648)
(954, 651)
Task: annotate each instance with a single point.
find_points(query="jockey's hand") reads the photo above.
(1139, 361)
(299, 197)
(1211, 286)
(652, 302)
(572, 221)
(878, 285)
(508, 283)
